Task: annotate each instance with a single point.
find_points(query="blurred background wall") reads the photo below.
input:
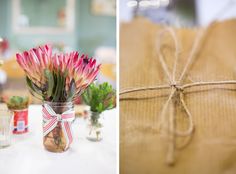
(90, 30)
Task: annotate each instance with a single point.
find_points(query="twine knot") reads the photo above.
(177, 87)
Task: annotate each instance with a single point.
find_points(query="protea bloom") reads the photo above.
(57, 77)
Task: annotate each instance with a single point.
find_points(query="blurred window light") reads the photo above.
(1, 39)
(144, 3)
(164, 2)
(155, 3)
(23, 20)
(148, 3)
(132, 3)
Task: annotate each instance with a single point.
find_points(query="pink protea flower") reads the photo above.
(57, 77)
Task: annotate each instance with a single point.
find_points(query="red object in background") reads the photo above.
(4, 98)
(20, 121)
(4, 45)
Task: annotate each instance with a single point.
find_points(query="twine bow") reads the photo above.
(51, 119)
(176, 95)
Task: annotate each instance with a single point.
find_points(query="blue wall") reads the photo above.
(94, 30)
(90, 31)
(4, 18)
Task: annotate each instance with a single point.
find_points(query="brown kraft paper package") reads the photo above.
(211, 148)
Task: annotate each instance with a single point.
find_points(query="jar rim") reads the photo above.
(92, 112)
(58, 104)
(19, 110)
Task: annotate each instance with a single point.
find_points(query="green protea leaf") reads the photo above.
(50, 81)
(58, 94)
(35, 90)
(57, 89)
(62, 88)
(85, 96)
(72, 90)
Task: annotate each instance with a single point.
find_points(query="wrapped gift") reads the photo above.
(177, 98)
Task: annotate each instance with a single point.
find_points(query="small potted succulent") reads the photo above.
(99, 98)
(19, 106)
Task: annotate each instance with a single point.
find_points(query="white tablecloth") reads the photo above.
(27, 155)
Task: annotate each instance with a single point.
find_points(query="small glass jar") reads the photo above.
(95, 127)
(55, 140)
(5, 127)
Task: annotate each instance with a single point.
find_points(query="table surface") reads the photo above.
(26, 155)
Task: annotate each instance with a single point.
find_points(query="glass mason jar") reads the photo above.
(95, 127)
(55, 140)
(5, 127)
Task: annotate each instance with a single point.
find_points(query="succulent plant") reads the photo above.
(18, 103)
(99, 97)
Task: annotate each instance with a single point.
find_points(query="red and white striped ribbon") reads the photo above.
(51, 119)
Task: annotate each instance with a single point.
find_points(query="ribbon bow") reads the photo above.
(51, 119)
(176, 94)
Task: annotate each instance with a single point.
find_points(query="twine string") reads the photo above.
(176, 95)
